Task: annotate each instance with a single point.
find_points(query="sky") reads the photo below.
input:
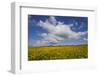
(44, 30)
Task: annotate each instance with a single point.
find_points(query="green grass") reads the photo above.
(58, 52)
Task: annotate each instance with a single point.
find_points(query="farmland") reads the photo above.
(58, 52)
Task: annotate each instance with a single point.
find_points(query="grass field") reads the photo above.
(58, 52)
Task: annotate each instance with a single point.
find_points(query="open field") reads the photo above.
(58, 52)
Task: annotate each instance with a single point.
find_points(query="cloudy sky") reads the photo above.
(57, 30)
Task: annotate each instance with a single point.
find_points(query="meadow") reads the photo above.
(58, 52)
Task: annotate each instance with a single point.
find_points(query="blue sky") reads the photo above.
(57, 30)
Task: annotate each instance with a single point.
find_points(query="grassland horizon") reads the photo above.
(58, 52)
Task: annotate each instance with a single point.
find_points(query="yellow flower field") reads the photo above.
(58, 52)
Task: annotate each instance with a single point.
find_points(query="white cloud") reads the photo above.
(82, 33)
(41, 43)
(80, 27)
(44, 34)
(52, 20)
(46, 25)
(85, 39)
(51, 37)
(76, 23)
(58, 31)
(60, 23)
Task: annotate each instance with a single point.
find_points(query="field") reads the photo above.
(58, 52)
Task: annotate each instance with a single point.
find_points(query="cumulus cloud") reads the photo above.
(51, 37)
(57, 31)
(52, 20)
